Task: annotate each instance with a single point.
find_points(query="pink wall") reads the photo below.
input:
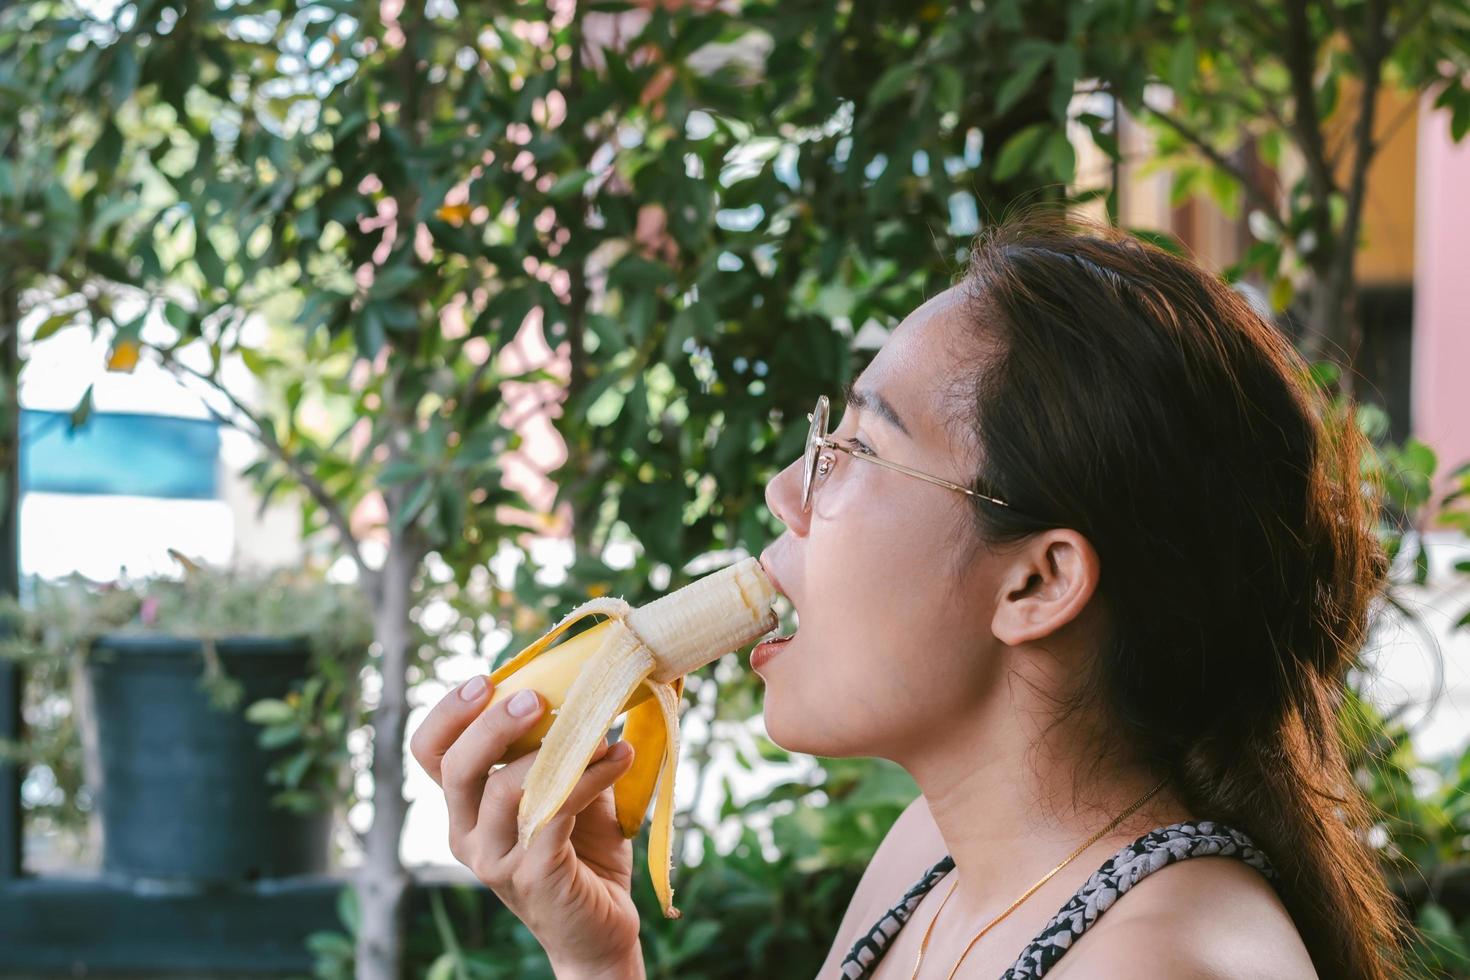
(1441, 358)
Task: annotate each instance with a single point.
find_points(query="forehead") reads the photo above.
(924, 364)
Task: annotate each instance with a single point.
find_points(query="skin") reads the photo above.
(953, 676)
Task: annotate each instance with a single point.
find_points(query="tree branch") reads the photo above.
(1253, 193)
(1396, 124)
(263, 434)
(1301, 66)
(1343, 278)
(1391, 38)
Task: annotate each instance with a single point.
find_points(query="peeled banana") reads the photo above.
(633, 662)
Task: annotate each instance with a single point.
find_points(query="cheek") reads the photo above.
(878, 597)
(877, 561)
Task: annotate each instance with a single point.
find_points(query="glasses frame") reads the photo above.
(817, 440)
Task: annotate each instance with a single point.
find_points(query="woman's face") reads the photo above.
(891, 638)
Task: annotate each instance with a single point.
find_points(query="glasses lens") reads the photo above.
(814, 438)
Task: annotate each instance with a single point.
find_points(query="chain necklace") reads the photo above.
(924, 944)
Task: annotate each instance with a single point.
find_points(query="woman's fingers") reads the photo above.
(445, 721)
(496, 823)
(589, 788)
(496, 827)
(466, 764)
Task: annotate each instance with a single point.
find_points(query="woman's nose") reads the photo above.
(783, 497)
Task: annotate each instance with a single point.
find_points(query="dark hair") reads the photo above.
(1130, 395)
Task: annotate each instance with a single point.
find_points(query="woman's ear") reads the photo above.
(1046, 584)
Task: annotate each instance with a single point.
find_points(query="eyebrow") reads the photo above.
(870, 401)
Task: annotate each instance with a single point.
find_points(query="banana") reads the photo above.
(635, 661)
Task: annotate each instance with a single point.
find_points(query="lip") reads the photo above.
(771, 573)
(765, 650)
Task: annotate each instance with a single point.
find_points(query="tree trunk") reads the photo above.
(1331, 331)
(1324, 333)
(382, 881)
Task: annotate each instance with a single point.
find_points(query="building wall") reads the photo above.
(1441, 349)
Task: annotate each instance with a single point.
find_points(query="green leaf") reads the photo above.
(1183, 62)
(400, 471)
(122, 75)
(1460, 119)
(1281, 294)
(443, 968)
(102, 158)
(210, 265)
(510, 308)
(332, 945)
(178, 317)
(412, 506)
(52, 324)
(400, 317)
(1447, 946)
(1065, 69)
(1418, 458)
(891, 84)
(269, 711)
(1162, 239)
(1326, 374)
(258, 364)
(369, 332)
(348, 909)
(279, 736)
(1019, 151)
(83, 410)
(295, 768)
(568, 184)
(1270, 144)
(1031, 60)
(1060, 158)
(392, 280)
(949, 89)
(1371, 419)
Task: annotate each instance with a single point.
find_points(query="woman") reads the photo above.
(1086, 498)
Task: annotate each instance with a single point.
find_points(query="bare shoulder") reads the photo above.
(1207, 918)
(910, 847)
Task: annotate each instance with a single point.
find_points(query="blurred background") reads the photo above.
(349, 344)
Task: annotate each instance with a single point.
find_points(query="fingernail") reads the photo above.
(620, 751)
(472, 689)
(524, 703)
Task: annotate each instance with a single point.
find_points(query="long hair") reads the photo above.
(1132, 396)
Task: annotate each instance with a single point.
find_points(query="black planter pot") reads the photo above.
(184, 794)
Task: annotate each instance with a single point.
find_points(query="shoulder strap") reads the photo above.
(869, 949)
(1131, 864)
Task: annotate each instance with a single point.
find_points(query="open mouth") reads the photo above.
(776, 634)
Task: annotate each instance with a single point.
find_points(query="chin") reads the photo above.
(793, 724)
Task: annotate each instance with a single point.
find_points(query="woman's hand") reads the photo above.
(572, 886)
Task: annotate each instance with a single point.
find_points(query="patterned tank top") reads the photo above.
(1154, 850)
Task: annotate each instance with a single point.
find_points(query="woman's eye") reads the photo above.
(857, 444)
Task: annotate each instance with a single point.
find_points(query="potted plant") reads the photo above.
(207, 716)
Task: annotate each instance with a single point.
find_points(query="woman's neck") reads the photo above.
(1009, 812)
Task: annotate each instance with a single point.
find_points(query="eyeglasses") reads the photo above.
(818, 464)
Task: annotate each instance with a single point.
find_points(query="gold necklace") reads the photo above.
(924, 943)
